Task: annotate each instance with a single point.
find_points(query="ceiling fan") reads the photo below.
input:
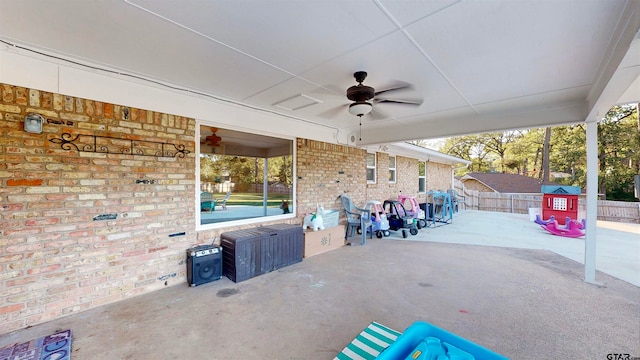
(212, 140)
(364, 96)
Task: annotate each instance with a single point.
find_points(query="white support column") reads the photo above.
(592, 203)
(265, 187)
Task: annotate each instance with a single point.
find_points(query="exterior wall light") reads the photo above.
(33, 123)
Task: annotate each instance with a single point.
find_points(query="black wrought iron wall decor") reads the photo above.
(111, 145)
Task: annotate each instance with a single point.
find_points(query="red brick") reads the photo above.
(44, 269)
(108, 110)
(11, 308)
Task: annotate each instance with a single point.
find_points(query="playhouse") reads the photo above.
(560, 202)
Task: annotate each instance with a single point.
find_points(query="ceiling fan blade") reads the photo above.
(404, 102)
(398, 85)
(377, 115)
(334, 112)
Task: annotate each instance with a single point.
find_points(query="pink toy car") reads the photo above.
(378, 218)
(412, 207)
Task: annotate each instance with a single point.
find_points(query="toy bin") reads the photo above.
(422, 341)
(330, 218)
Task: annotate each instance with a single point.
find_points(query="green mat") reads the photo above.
(369, 343)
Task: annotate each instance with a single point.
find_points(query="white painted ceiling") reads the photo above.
(477, 65)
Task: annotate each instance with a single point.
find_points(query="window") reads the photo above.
(243, 177)
(392, 169)
(371, 168)
(422, 177)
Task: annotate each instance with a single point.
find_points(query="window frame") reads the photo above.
(422, 177)
(246, 221)
(393, 172)
(373, 167)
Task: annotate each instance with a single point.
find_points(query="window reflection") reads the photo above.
(243, 176)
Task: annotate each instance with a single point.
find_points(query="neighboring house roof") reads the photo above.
(507, 183)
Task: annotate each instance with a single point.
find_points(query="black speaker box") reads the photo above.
(204, 264)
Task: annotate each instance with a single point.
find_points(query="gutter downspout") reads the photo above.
(453, 175)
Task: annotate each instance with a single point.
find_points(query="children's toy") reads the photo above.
(314, 220)
(539, 220)
(399, 219)
(424, 341)
(410, 203)
(560, 201)
(580, 224)
(378, 218)
(570, 230)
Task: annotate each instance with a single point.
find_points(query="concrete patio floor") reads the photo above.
(492, 278)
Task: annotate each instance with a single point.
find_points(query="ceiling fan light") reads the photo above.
(360, 108)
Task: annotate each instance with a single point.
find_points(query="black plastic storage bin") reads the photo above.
(251, 252)
(428, 210)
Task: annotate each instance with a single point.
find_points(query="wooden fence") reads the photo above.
(619, 211)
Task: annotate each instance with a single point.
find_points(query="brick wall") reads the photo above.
(438, 176)
(325, 171)
(59, 252)
(406, 178)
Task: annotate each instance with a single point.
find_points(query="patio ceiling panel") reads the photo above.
(517, 62)
(479, 66)
(292, 37)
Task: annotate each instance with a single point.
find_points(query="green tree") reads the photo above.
(619, 152)
(469, 147)
(522, 152)
(568, 154)
(498, 143)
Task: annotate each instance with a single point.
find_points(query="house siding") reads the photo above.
(475, 185)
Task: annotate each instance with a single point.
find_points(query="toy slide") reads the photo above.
(572, 229)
